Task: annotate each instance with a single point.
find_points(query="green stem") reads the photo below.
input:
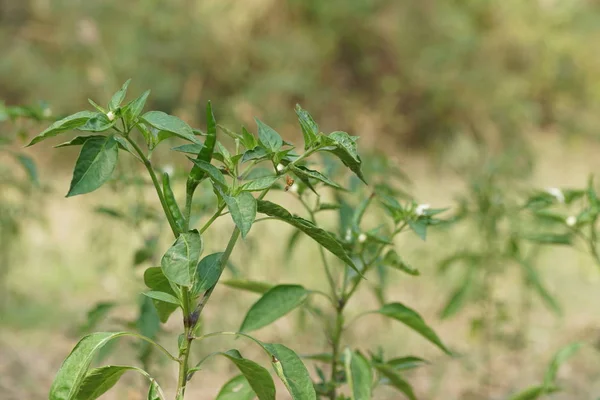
(212, 219)
(335, 347)
(187, 211)
(161, 197)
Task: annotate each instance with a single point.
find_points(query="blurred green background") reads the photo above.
(438, 85)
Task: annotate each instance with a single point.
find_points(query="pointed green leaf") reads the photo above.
(156, 280)
(419, 227)
(251, 286)
(95, 165)
(29, 166)
(396, 380)
(71, 374)
(179, 262)
(534, 280)
(260, 184)
(171, 124)
(344, 147)
(268, 137)
(80, 140)
(154, 392)
(310, 129)
(551, 238)
(258, 153)
(133, 109)
(459, 296)
(393, 260)
(292, 372)
(359, 375)
(66, 124)
(258, 377)
(189, 148)
(321, 236)
(409, 362)
(410, 318)
(100, 380)
(119, 96)
(559, 358)
(273, 305)
(162, 296)
(312, 174)
(532, 393)
(243, 210)
(248, 139)
(212, 171)
(98, 123)
(237, 388)
(208, 272)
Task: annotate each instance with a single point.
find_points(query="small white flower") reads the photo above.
(571, 220)
(110, 115)
(168, 169)
(348, 235)
(362, 238)
(557, 193)
(294, 188)
(420, 210)
(280, 167)
(47, 112)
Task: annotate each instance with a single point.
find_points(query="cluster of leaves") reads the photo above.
(185, 280)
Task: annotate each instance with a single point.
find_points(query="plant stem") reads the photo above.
(335, 346)
(212, 219)
(161, 197)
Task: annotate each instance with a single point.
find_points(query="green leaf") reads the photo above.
(119, 96)
(189, 148)
(237, 388)
(134, 108)
(197, 173)
(292, 372)
(268, 137)
(208, 272)
(324, 238)
(535, 282)
(343, 146)
(29, 166)
(79, 140)
(154, 392)
(419, 227)
(72, 372)
(179, 262)
(396, 380)
(100, 380)
(410, 318)
(248, 139)
(97, 314)
(95, 165)
(258, 377)
(310, 129)
(459, 296)
(551, 238)
(274, 304)
(171, 124)
(156, 280)
(259, 184)
(409, 362)
(66, 124)
(258, 153)
(251, 286)
(242, 208)
(162, 296)
(532, 393)
(98, 123)
(359, 375)
(312, 174)
(559, 358)
(393, 260)
(213, 172)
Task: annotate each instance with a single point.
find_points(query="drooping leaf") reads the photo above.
(459, 296)
(179, 262)
(97, 314)
(393, 260)
(251, 286)
(242, 208)
(559, 358)
(343, 146)
(273, 305)
(312, 174)
(95, 165)
(171, 124)
(66, 124)
(154, 391)
(268, 137)
(208, 272)
(189, 148)
(119, 96)
(535, 282)
(292, 372)
(100, 380)
(237, 388)
(409, 362)
(72, 372)
(29, 166)
(551, 238)
(413, 320)
(532, 393)
(79, 140)
(324, 238)
(359, 375)
(258, 377)
(396, 380)
(419, 227)
(310, 129)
